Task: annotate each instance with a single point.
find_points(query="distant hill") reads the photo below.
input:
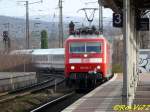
(17, 29)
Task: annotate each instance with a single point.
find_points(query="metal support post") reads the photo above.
(61, 34)
(27, 22)
(24, 66)
(27, 26)
(149, 31)
(126, 75)
(11, 81)
(100, 16)
(55, 85)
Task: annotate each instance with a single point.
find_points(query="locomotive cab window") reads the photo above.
(89, 47)
(77, 47)
(93, 47)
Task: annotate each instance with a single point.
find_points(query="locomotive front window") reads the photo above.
(88, 47)
(93, 47)
(77, 47)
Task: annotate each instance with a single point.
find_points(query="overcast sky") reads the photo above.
(48, 7)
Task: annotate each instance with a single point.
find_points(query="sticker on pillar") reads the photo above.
(117, 20)
(142, 24)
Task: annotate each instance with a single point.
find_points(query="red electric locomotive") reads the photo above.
(87, 60)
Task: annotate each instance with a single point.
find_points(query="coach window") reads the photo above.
(77, 47)
(93, 47)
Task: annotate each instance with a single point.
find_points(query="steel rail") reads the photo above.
(53, 101)
(23, 92)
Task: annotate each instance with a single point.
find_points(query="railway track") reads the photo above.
(58, 104)
(44, 99)
(42, 107)
(51, 81)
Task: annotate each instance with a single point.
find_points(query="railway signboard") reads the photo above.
(142, 24)
(117, 19)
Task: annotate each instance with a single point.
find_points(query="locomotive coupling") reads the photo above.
(93, 72)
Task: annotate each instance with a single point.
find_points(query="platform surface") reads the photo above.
(101, 99)
(142, 95)
(109, 95)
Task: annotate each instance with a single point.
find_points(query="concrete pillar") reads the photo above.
(126, 32)
(130, 53)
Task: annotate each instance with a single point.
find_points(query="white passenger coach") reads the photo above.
(44, 59)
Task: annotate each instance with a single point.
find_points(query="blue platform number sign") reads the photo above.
(117, 20)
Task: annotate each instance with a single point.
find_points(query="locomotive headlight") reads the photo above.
(85, 55)
(72, 67)
(98, 67)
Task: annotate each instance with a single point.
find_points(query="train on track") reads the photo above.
(45, 60)
(51, 60)
(87, 59)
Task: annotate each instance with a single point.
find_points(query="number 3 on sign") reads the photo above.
(117, 19)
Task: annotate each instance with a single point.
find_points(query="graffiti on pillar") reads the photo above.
(144, 62)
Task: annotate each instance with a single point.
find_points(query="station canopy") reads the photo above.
(117, 5)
